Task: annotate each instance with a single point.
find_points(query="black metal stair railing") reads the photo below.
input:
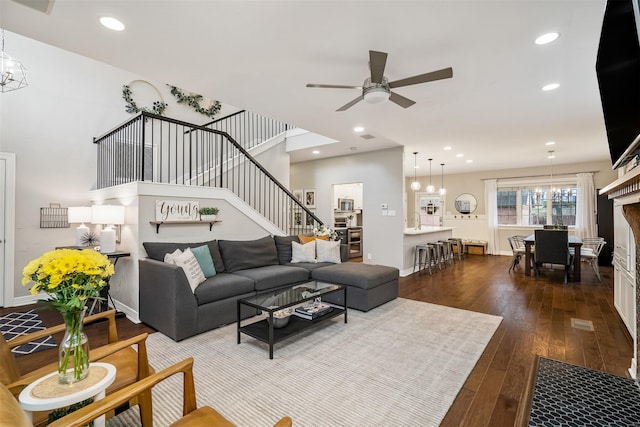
(249, 129)
(153, 148)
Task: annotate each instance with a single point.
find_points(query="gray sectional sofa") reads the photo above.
(244, 268)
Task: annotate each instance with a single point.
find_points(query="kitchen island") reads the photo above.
(413, 237)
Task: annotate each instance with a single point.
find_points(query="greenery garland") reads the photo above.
(193, 100)
(132, 107)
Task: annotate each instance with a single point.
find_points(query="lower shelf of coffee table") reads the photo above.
(260, 330)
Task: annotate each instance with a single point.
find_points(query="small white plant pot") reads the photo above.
(208, 218)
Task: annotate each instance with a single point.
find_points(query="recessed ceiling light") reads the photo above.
(459, 155)
(551, 86)
(469, 161)
(550, 143)
(447, 148)
(547, 38)
(112, 23)
(358, 129)
(316, 152)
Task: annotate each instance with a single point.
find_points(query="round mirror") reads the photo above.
(466, 203)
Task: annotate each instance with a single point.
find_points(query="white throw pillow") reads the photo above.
(171, 258)
(192, 270)
(328, 251)
(303, 253)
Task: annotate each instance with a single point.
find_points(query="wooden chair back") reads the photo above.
(9, 370)
(11, 414)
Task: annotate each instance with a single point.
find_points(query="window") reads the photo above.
(531, 205)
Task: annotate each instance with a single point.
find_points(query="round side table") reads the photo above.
(46, 393)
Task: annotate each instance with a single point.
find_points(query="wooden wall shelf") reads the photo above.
(159, 223)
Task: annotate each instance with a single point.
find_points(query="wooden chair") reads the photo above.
(131, 365)
(552, 247)
(192, 416)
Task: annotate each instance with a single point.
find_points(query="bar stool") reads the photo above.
(447, 252)
(457, 242)
(440, 254)
(428, 251)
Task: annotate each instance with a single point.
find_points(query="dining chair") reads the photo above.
(131, 365)
(193, 416)
(516, 251)
(590, 251)
(552, 247)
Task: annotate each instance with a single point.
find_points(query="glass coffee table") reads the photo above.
(279, 306)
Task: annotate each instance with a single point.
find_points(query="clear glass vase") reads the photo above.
(73, 352)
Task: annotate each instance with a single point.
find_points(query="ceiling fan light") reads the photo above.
(376, 95)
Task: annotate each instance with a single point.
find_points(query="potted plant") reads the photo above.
(208, 213)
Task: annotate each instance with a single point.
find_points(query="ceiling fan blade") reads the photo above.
(334, 86)
(445, 73)
(350, 104)
(401, 100)
(377, 62)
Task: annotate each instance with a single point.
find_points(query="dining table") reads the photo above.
(574, 242)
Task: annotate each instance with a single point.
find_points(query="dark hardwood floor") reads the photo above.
(536, 320)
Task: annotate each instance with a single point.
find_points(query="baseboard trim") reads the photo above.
(128, 311)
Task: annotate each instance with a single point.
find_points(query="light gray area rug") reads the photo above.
(400, 364)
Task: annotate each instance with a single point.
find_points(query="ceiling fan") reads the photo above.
(377, 88)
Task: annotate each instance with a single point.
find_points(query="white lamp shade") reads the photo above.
(79, 214)
(415, 186)
(107, 214)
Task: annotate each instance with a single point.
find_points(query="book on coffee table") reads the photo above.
(311, 312)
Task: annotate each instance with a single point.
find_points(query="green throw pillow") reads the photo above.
(203, 255)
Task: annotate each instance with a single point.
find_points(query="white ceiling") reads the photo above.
(259, 55)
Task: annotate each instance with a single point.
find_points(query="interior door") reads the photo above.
(605, 228)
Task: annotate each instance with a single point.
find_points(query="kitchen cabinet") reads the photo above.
(354, 240)
(624, 281)
(348, 191)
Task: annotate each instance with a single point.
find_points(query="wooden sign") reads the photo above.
(177, 210)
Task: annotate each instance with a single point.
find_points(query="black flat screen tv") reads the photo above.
(618, 73)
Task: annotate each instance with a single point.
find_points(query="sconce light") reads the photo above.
(107, 215)
(80, 215)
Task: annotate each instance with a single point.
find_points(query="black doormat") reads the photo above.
(16, 324)
(569, 395)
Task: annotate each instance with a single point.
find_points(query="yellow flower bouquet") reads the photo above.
(70, 277)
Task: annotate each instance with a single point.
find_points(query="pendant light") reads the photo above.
(13, 75)
(415, 185)
(430, 187)
(555, 194)
(443, 190)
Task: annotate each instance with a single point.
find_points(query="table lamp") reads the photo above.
(79, 215)
(107, 215)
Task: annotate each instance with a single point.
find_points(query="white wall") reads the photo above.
(381, 173)
(50, 126)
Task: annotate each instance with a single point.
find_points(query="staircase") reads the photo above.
(152, 148)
